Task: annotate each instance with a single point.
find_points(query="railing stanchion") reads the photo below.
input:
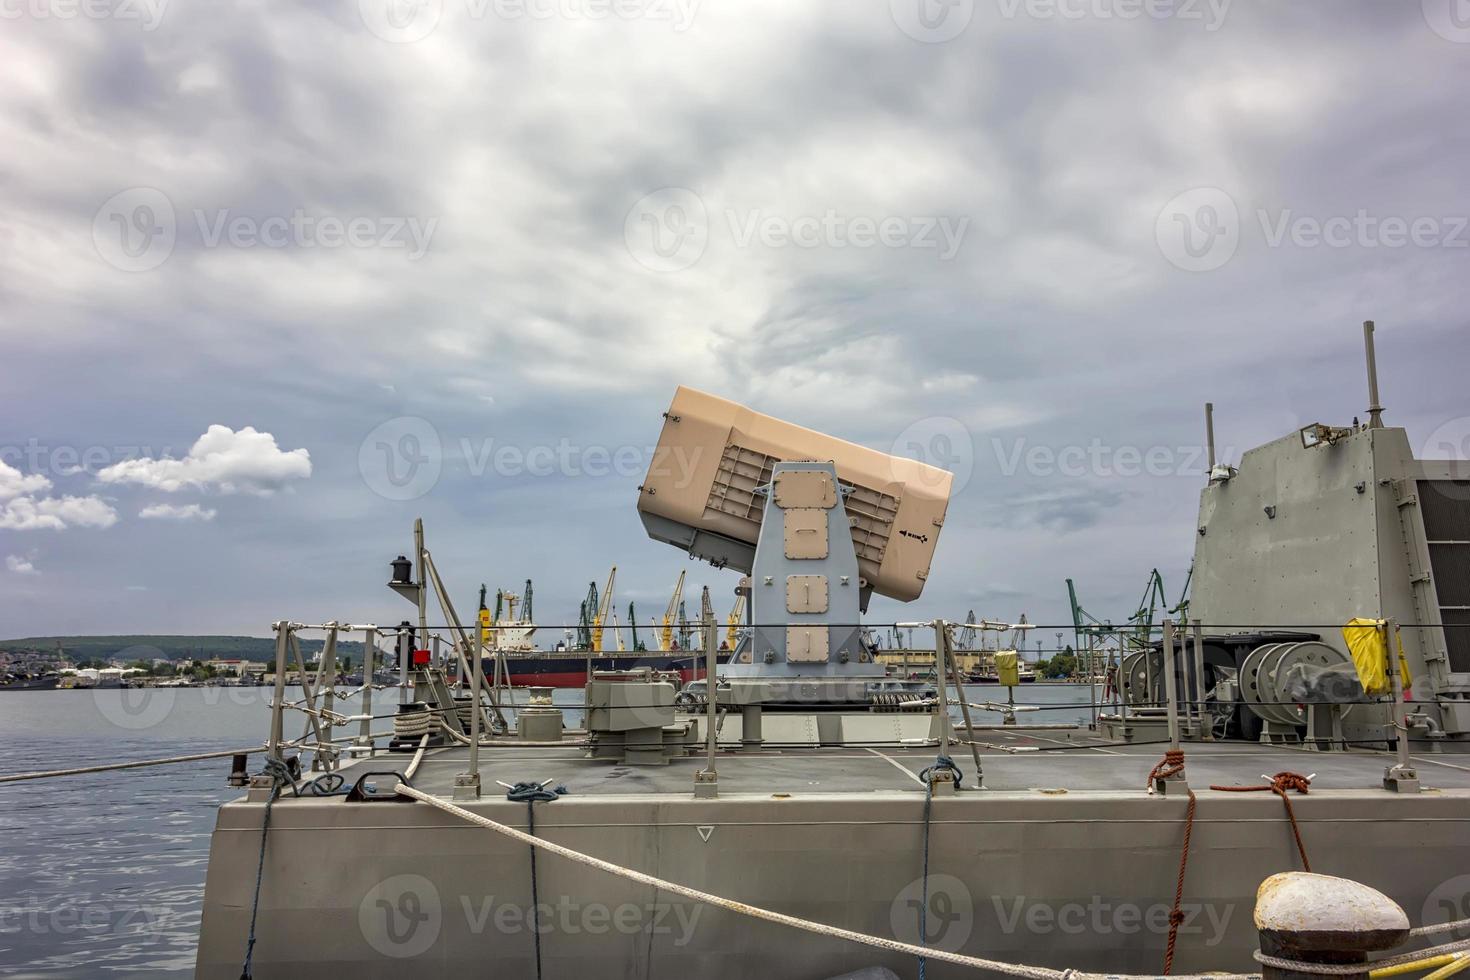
(279, 697)
(369, 651)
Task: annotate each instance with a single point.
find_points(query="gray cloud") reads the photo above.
(528, 321)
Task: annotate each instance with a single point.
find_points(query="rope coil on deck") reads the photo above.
(413, 724)
(780, 918)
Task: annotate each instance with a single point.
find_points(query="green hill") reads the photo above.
(150, 646)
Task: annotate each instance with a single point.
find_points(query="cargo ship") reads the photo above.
(571, 668)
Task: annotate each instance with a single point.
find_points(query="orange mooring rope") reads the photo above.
(1173, 765)
(1279, 784)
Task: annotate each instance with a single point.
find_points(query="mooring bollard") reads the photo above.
(1321, 919)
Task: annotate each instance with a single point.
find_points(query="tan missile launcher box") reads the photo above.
(700, 493)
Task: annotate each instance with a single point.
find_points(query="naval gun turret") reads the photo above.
(815, 523)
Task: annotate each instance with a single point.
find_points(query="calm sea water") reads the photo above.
(104, 874)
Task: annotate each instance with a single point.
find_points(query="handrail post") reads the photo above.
(369, 651)
(941, 636)
(707, 780)
(421, 561)
(1092, 676)
(1171, 693)
(326, 667)
(467, 784)
(1401, 777)
(278, 698)
(1206, 724)
(941, 670)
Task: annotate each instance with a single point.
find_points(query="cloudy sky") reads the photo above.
(277, 278)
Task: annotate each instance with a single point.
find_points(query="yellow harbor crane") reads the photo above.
(601, 615)
(733, 623)
(666, 628)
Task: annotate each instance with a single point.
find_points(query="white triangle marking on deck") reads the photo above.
(704, 833)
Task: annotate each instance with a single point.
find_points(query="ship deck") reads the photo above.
(1046, 760)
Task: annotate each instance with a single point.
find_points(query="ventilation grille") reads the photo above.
(741, 470)
(1445, 506)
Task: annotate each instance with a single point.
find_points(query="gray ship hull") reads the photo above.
(1081, 879)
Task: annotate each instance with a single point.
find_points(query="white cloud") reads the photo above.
(14, 484)
(222, 459)
(56, 513)
(21, 510)
(20, 566)
(169, 512)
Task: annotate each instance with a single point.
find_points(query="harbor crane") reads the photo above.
(666, 629)
(733, 622)
(638, 646)
(599, 610)
(966, 638)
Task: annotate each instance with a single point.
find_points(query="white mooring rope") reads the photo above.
(139, 764)
(1339, 969)
(807, 925)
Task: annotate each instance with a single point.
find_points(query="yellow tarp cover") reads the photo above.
(1369, 646)
(1008, 667)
